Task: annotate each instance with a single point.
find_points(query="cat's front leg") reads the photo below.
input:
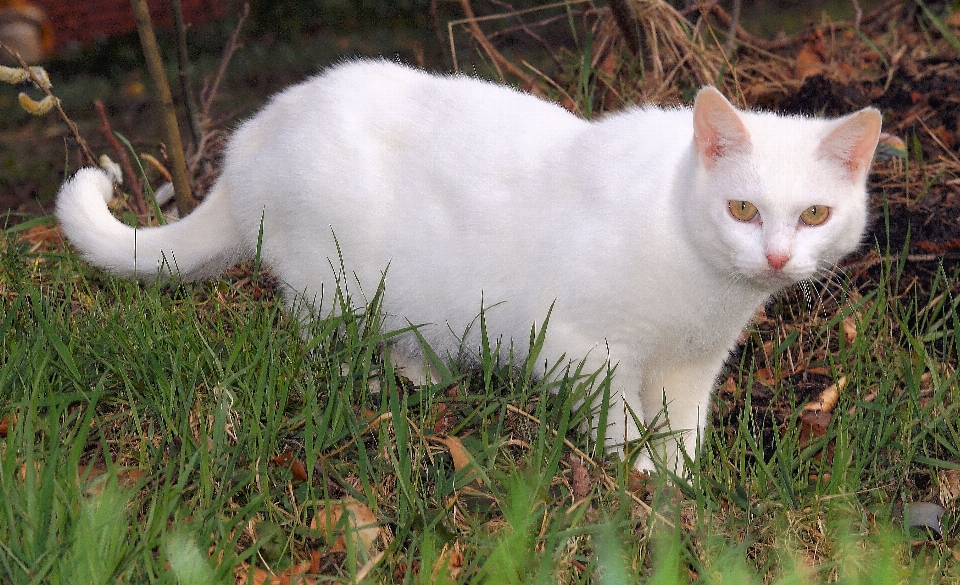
(685, 389)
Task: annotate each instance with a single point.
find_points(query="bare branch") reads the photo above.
(623, 16)
(183, 67)
(171, 130)
(122, 155)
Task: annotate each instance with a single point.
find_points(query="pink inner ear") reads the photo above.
(853, 142)
(717, 128)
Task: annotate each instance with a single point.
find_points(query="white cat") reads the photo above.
(657, 233)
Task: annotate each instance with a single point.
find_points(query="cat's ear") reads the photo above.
(718, 130)
(853, 142)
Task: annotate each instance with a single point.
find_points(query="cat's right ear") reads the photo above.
(718, 130)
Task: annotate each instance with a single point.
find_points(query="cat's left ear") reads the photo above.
(718, 130)
(853, 142)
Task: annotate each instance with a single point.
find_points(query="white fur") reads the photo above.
(471, 190)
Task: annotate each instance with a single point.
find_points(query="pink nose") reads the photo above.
(777, 261)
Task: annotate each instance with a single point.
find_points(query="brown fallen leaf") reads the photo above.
(580, 480)
(766, 377)
(283, 458)
(812, 58)
(94, 480)
(828, 398)
(816, 415)
(42, 234)
(446, 420)
(296, 575)
(948, 481)
(849, 325)
(813, 426)
(461, 458)
(361, 525)
(296, 466)
(450, 560)
(299, 470)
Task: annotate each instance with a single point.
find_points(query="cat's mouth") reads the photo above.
(777, 278)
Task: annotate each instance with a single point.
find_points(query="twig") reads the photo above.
(45, 88)
(183, 64)
(732, 30)
(122, 155)
(498, 59)
(623, 16)
(181, 183)
(209, 91)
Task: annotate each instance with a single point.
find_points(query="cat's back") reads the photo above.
(379, 105)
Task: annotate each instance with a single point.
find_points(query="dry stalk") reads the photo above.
(183, 64)
(181, 182)
(122, 155)
(499, 61)
(623, 16)
(209, 91)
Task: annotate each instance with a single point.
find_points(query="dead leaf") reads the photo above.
(813, 426)
(296, 575)
(297, 468)
(816, 415)
(361, 524)
(445, 416)
(949, 482)
(450, 560)
(94, 480)
(828, 398)
(766, 377)
(461, 458)
(849, 325)
(870, 396)
(40, 234)
(446, 420)
(729, 387)
(580, 480)
(812, 58)
(945, 136)
(640, 483)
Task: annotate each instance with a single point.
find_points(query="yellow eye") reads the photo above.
(815, 214)
(743, 210)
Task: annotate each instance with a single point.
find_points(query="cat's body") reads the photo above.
(463, 190)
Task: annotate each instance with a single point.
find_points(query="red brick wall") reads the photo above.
(83, 22)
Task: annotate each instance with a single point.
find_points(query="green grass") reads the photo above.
(144, 423)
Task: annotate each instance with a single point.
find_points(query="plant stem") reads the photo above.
(183, 64)
(181, 184)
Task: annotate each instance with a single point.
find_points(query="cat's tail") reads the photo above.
(201, 245)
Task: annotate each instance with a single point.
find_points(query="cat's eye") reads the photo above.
(815, 214)
(743, 210)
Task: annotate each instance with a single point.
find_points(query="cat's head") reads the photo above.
(779, 198)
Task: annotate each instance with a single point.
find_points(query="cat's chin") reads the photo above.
(772, 281)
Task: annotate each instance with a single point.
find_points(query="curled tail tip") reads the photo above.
(86, 182)
(81, 206)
